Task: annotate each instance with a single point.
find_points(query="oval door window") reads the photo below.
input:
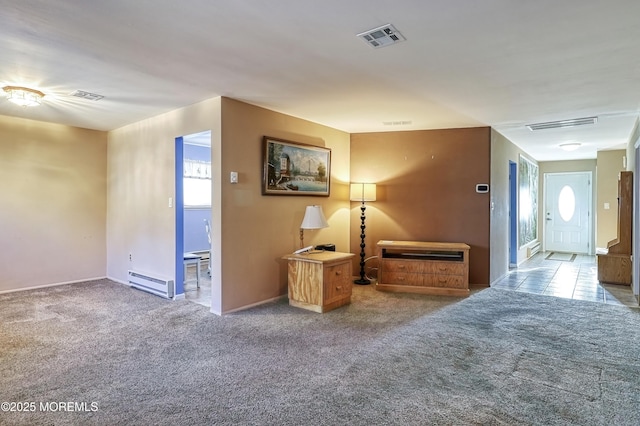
(566, 203)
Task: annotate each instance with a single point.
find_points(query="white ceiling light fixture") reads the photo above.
(570, 146)
(382, 36)
(563, 123)
(23, 96)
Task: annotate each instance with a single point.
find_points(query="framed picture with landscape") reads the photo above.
(291, 168)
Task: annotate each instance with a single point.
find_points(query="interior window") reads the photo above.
(197, 192)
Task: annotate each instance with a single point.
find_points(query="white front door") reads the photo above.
(567, 212)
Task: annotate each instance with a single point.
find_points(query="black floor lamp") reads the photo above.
(362, 192)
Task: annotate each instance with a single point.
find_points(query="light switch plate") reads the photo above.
(482, 188)
(233, 177)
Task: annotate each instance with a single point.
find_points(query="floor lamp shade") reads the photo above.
(362, 192)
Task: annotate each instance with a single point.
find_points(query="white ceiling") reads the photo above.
(465, 63)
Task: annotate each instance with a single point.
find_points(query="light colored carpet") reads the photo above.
(494, 358)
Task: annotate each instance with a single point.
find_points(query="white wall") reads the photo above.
(141, 171)
(53, 206)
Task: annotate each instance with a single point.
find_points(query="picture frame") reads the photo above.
(293, 168)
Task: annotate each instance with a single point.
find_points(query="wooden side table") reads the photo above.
(319, 281)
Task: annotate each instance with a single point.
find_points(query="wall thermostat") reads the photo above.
(482, 188)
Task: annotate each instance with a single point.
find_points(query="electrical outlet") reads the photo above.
(130, 258)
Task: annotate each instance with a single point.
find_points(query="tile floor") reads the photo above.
(200, 295)
(576, 279)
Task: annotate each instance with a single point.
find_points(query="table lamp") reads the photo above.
(313, 219)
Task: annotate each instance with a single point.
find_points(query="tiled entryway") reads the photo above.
(573, 279)
(200, 295)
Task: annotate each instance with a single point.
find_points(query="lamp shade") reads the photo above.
(363, 192)
(314, 218)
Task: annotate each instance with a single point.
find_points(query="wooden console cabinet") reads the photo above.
(320, 281)
(423, 267)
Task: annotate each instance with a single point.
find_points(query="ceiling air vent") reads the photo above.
(86, 95)
(382, 36)
(397, 123)
(563, 123)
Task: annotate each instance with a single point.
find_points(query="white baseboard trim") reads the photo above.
(35, 287)
(242, 308)
(118, 281)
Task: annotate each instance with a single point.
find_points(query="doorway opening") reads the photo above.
(193, 217)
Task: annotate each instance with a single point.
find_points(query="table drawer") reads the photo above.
(337, 282)
(402, 266)
(444, 268)
(401, 278)
(451, 281)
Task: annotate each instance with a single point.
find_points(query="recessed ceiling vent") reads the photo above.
(563, 123)
(86, 95)
(397, 123)
(382, 36)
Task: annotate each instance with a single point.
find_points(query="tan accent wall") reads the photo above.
(53, 208)
(260, 229)
(426, 190)
(609, 165)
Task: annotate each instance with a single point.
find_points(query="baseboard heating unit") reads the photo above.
(533, 249)
(158, 286)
